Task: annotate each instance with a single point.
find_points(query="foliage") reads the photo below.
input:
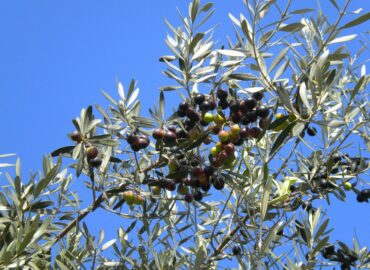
(261, 206)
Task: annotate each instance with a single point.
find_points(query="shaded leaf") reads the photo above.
(207, 7)
(63, 150)
(161, 104)
(278, 122)
(281, 138)
(243, 76)
(271, 235)
(278, 58)
(304, 97)
(357, 21)
(334, 3)
(115, 159)
(198, 37)
(285, 98)
(302, 11)
(292, 27)
(167, 58)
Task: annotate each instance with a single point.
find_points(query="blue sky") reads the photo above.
(55, 56)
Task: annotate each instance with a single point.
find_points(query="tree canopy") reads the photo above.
(237, 174)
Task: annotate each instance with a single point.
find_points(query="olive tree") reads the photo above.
(237, 174)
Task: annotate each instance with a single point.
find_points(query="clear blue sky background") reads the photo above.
(55, 56)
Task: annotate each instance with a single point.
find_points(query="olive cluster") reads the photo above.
(191, 116)
(320, 180)
(363, 196)
(191, 179)
(198, 121)
(339, 164)
(91, 151)
(244, 111)
(345, 257)
(133, 197)
(230, 134)
(138, 142)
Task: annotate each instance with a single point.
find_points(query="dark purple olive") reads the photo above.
(206, 188)
(360, 198)
(219, 183)
(242, 106)
(244, 132)
(135, 147)
(197, 171)
(132, 138)
(337, 157)
(170, 186)
(76, 136)
(324, 183)
(234, 105)
(172, 128)
(170, 137)
(236, 116)
(216, 130)
(365, 193)
(209, 170)
(251, 103)
(192, 115)
(188, 198)
(158, 134)
(143, 142)
(181, 113)
(221, 94)
(251, 116)
(184, 106)
(328, 251)
(244, 120)
(213, 105)
(257, 95)
(311, 131)
(236, 250)
(229, 149)
(223, 103)
(262, 112)
(263, 123)
(92, 152)
(199, 99)
(206, 106)
(198, 196)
